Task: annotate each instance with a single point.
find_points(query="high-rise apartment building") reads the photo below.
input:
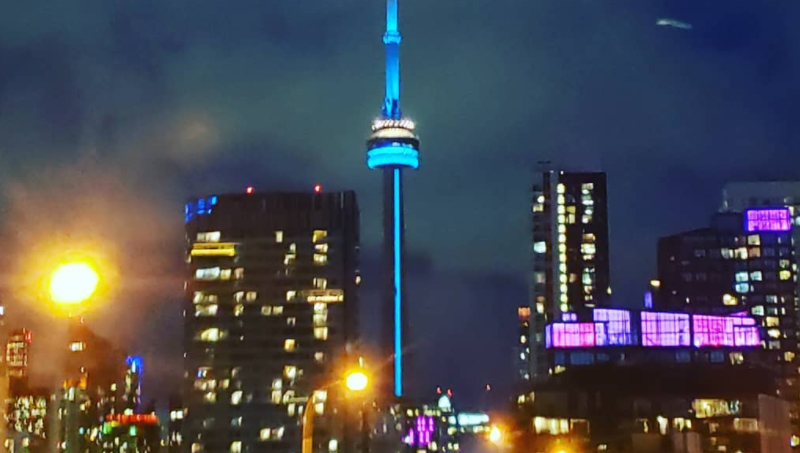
(742, 262)
(570, 254)
(271, 313)
(17, 352)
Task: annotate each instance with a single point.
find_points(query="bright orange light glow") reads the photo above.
(73, 283)
(495, 435)
(357, 381)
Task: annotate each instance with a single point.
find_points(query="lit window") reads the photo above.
(277, 310)
(278, 433)
(236, 446)
(201, 297)
(211, 335)
(251, 296)
(757, 310)
(772, 321)
(319, 308)
(560, 188)
(209, 236)
(320, 259)
(333, 445)
(289, 344)
(523, 339)
(238, 274)
(756, 276)
(742, 288)
(587, 187)
(207, 273)
(321, 333)
(210, 397)
(319, 235)
(539, 277)
(276, 396)
(319, 357)
(197, 447)
(290, 371)
(321, 283)
(205, 310)
(293, 248)
(358, 279)
(290, 409)
(785, 274)
(290, 295)
(774, 333)
(321, 248)
(729, 300)
(266, 310)
(76, 346)
(788, 356)
(588, 249)
(754, 239)
(540, 247)
(538, 207)
(742, 276)
(320, 319)
(265, 434)
(225, 274)
(279, 236)
(238, 309)
(236, 397)
(236, 422)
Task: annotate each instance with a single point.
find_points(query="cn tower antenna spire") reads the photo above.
(391, 39)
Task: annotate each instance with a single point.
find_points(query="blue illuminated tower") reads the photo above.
(393, 147)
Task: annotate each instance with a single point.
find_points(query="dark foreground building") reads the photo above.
(655, 409)
(271, 308)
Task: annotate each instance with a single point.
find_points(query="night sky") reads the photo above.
(113, 112)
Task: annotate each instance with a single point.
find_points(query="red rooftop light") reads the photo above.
(249, 189)
(317, 188)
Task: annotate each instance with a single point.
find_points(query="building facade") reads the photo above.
(271, 311)
(742, 262)
(571, 270)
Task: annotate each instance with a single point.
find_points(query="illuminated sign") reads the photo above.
(133, 419)
(324, 296)
(467, 419)
(775, 219)
(214, 249)
(705, 408)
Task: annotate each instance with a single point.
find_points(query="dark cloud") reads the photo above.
(173, 98)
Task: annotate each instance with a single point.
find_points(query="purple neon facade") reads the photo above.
(665, 329)
(612, 327)
(421, 433)
(716, 331)
(773, 219)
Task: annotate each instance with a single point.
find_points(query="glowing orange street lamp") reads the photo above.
(72, 284)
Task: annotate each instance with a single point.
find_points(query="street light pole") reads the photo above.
(355, 381)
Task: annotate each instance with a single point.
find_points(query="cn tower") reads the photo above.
(393, 147)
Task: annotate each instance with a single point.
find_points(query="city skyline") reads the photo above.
(175, 126)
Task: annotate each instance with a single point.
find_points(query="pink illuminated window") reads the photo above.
(767, 220)
(570, 335)
(716, 331)
(616, 327)
(665, 329)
